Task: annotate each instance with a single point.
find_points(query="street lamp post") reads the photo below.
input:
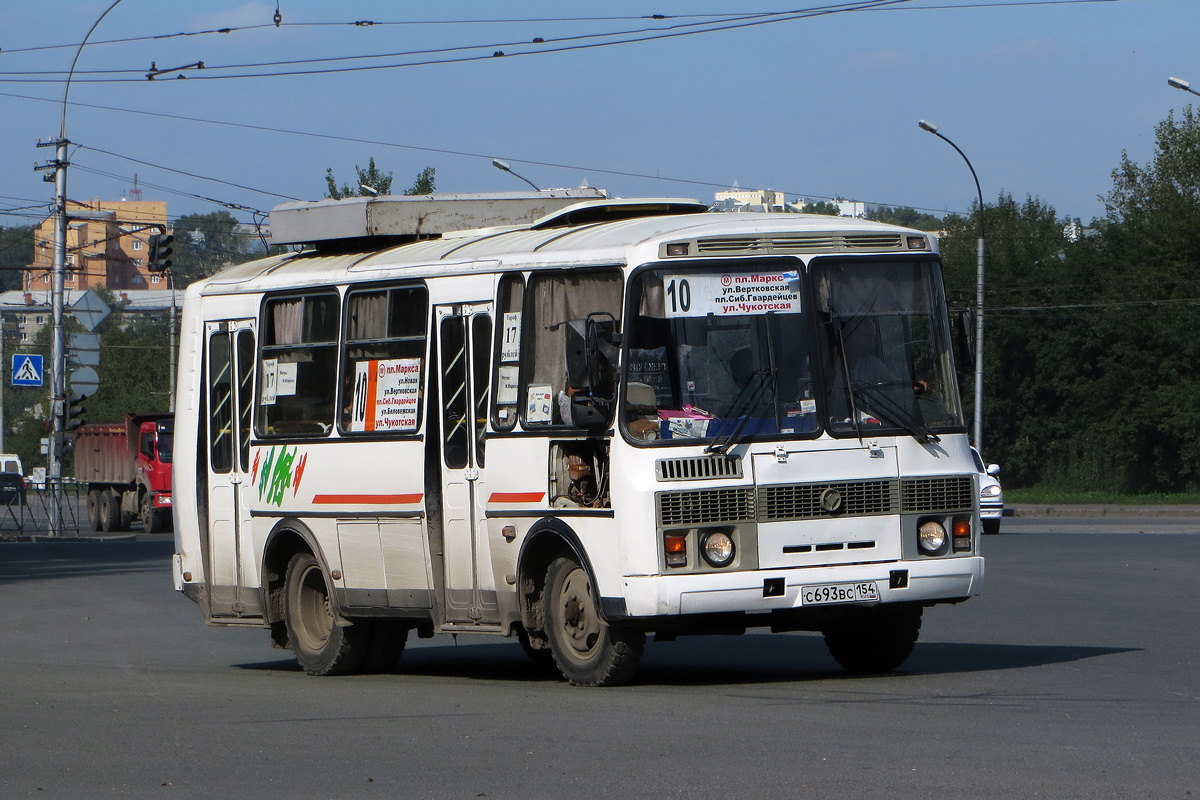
(58, 382)
(1182, 84)
(928, 126)
(503, 165)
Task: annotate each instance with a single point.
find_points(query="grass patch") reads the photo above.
(1051, 496)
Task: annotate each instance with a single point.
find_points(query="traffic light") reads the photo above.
(73, 412)
(160, 251)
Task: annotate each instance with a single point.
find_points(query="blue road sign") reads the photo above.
(26, 370)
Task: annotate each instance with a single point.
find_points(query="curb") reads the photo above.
(1102, 511)
(42, 538)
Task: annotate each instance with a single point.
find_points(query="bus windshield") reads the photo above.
(717, 354)
(885, 348)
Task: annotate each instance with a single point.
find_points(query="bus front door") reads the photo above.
(229, 371)
(464, 353)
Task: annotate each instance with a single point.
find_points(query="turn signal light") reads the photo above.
(962, 534)
(675, 545)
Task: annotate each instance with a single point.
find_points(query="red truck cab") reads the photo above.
(155, 444)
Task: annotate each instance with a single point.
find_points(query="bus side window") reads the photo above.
(508, 352)
(562, 306)
(298, 365)
(382, 366)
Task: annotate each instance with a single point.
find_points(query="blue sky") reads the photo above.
(1043, 98)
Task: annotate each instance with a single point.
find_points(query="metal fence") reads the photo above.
(30, 515)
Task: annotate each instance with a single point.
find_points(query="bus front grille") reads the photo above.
(815, 500)
(950, 493)
(705, 506)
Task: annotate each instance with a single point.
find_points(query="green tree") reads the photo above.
(205, 244)
(424, 184)
(16, 253)
(371, 176)
(1029, 376)
(822, 207)
(905, 215)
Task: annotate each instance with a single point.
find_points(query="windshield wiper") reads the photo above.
(741, 405)
(879, 402)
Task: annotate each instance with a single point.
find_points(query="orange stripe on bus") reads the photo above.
(516, 497)
(366, 499)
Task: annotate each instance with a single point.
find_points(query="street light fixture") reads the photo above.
(1182, 84)
(502, 165)
(931, 128)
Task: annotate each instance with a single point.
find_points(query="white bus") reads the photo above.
(614, 419)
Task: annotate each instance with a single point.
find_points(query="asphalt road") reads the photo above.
(1074, 675)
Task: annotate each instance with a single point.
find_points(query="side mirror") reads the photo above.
(993, 469)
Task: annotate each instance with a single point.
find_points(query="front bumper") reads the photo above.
(930, 580)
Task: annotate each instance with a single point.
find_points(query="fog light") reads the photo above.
(717, 548)
(931, 536)
(675, 545)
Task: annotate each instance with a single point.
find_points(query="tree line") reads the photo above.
(1091, 338)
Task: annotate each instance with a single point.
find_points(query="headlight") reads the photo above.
(717, 548)
(990, 491)
(931, 536)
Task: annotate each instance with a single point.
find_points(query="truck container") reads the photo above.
(126, 467)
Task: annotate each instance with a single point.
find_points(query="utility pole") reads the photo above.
(58, 383)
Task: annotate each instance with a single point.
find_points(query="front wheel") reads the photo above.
(587, 650)
(875, 639)
(150, 519)
(991, 526)
(321, 644)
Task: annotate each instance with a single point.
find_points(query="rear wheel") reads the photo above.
(94, 514)
(875, 639)
(321, 644)
(587, 650)
(110, 511)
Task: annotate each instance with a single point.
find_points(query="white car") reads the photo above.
(991, 495)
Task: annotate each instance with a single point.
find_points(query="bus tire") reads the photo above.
(991, 526)
(110, 511)
(587, 650)
(876, 639)
(320, 644)
(93, 509)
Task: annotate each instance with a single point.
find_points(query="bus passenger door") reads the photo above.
(229, 371)
(464, 354)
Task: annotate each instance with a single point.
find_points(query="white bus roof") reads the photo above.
(580, 235)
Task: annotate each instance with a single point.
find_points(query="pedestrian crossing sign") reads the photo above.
(27, 370)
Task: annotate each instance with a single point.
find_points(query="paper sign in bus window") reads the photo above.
(540, 409)
(506, 389)
(510, 347)
(727, 295)
(285, 384)
(387, 394)
(270, 380)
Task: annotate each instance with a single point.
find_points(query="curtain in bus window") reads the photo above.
(368, 316)
(286, 317)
